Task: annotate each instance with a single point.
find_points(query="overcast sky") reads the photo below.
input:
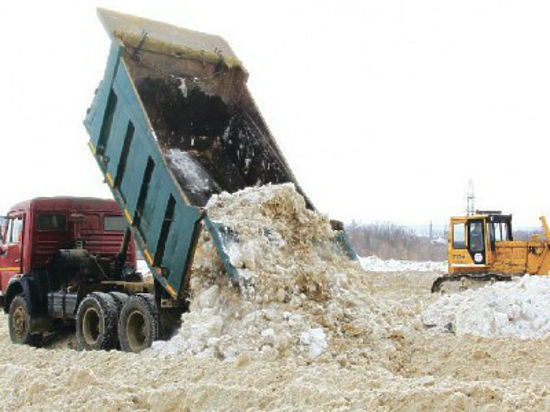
(383, 109)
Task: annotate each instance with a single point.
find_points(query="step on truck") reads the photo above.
(171, 124)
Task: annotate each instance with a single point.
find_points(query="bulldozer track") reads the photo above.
(478, 277)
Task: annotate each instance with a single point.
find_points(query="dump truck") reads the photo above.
(481, 249)
(171, 124)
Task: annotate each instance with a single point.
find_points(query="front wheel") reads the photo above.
(20, 322)
(138, 324)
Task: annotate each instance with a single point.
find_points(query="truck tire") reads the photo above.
(20, 323)
(138, 324)
(120, 299)
(96, 322)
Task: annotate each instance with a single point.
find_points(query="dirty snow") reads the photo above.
(375, 264)
(424, 371)
(291, 281)
(520, 308)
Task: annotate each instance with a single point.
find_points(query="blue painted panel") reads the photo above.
(94, 117)
(115, 140)
(128, 98)
(343, 245)
(173, 239)
(135, 170)
(160, 194)
(150, 208)
(222, 238)
(180, 242)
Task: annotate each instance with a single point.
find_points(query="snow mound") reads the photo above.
(520, 308)
(375, 264)
(301, 296)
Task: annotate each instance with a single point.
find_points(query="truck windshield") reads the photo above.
(114, 223)
(51, 222)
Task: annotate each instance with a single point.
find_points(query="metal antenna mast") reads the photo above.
(470, 199)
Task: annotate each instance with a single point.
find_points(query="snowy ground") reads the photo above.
(425, 370)
(375, 264)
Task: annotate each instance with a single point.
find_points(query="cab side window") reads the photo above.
(51, 222)
(505, 231)
(459, 238)
(15, 230)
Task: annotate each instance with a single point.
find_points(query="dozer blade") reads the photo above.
(460, 282)
(193, 90)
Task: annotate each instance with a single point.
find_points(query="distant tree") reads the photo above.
(391, 241)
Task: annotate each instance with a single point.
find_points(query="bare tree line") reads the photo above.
(391, 241)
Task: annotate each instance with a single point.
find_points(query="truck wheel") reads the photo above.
(138, 324)
(120, 299)
(96, 322)
(20, 322)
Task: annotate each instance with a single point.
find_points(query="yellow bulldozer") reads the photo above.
(481, 248)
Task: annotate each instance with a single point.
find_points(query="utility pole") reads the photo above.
(470, 199)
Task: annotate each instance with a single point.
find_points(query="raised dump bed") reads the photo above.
(173, 123)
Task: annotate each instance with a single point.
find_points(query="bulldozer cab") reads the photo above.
(473, 240)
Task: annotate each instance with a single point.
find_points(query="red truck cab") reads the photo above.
(34, 230)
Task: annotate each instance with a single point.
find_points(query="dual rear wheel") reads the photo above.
(96, 322)
(104, 321)
(110, 320)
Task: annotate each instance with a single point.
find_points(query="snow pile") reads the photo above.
(300, 296)
(375, 264)
(520, 308)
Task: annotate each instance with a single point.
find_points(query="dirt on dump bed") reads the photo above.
(306, 330)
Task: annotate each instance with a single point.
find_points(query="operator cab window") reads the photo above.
(459, 240)
(51, 222)
(114, 223)
(499, 232)
(505, 231)
(496, 233)
(476, 237)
